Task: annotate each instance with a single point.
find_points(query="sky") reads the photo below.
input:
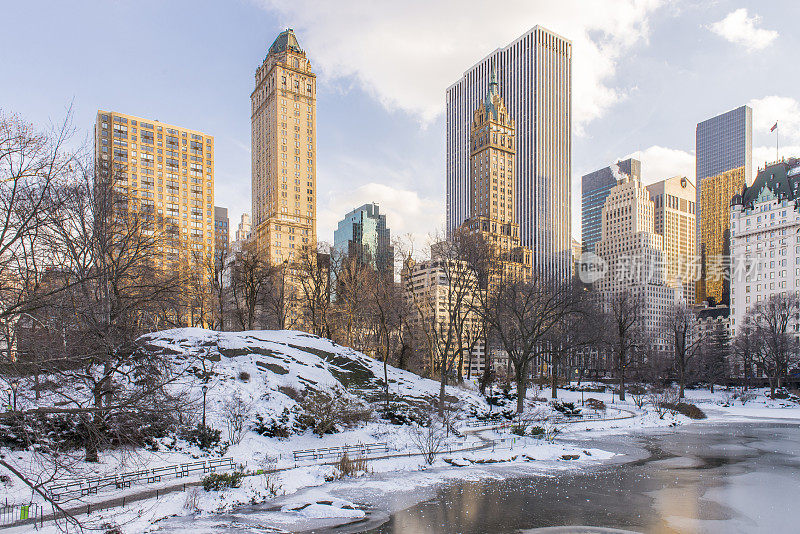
(645, 72)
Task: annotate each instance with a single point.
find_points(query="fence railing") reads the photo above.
(334, 453)
(17, 513)
(91, 485)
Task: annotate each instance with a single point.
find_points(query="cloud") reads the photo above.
(740, 29)
(406, 54)
(407, 214)
(784, 109)
(660, 162)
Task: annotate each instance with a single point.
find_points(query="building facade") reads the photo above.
(724, 161)
(222, 237)
(165, 170)
(536, 85)
(674, 220)
(715, 198)
(283, 139)
(492, 185)
(765, 235)
(595, 188)
(363, 235)
(243, 230)
(634, 254)
(427, 290)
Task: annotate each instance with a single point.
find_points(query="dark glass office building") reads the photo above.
(363, 234)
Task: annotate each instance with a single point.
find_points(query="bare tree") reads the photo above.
(745, 348)
(351, 287)
(445, 310)
(778, 346)
(525, 317)
(624, 332)
(236, 412)
(250, 281)
(313, 267)
(387, 307)
(682, 326)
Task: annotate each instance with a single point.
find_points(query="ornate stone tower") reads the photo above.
(283, 138)
(492, 186)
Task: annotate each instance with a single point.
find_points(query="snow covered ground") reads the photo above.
(268, 369)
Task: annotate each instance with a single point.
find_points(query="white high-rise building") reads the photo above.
(765, 240)
(535, 75)
(634, 253)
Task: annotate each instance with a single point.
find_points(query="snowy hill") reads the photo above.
(273, 370)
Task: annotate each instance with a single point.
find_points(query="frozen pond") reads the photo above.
(701, 478)
(732, 478)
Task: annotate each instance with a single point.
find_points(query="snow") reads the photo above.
(277, 360)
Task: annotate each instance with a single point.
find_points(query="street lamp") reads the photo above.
(14, 387)
(204, 390)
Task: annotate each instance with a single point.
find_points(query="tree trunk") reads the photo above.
(553, 383)
(622, 385)
(521, 390)
(681, 379)
(443, 380)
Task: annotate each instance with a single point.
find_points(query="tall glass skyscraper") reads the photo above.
(724, 163)
(363, 234)
(595, 188)
(535, 79)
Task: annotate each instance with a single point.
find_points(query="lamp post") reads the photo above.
(14, 387)
(205, 390)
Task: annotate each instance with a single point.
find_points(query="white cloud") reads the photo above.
(406, 54)
(740, 29)
(784, 109)
(407, 214)
(660, 162)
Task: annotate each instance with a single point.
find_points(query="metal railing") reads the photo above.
(17, 513)
(334, 453)
(91, 485)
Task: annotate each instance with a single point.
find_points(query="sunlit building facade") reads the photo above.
(674, 220)
(283, 139)
(164, 169)
(492, 185)
(723, 155)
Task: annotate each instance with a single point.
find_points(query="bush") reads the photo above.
(567, 408)
(272, 428)
(204, 437)
(595, 404)
(518, 429)
(244, 376)
(221, 481)
(537, 431)
(684, 408)
(323, 412)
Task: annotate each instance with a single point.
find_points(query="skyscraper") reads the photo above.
(283, 139)
(724, 163)
(535, 76)
(674, 220)
(164, 169)
(492, 190)
(595, 187)
(243, 230)
(363, 235)
(634, 253)
(221, 230)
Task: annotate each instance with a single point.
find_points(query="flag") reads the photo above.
(774, 127)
